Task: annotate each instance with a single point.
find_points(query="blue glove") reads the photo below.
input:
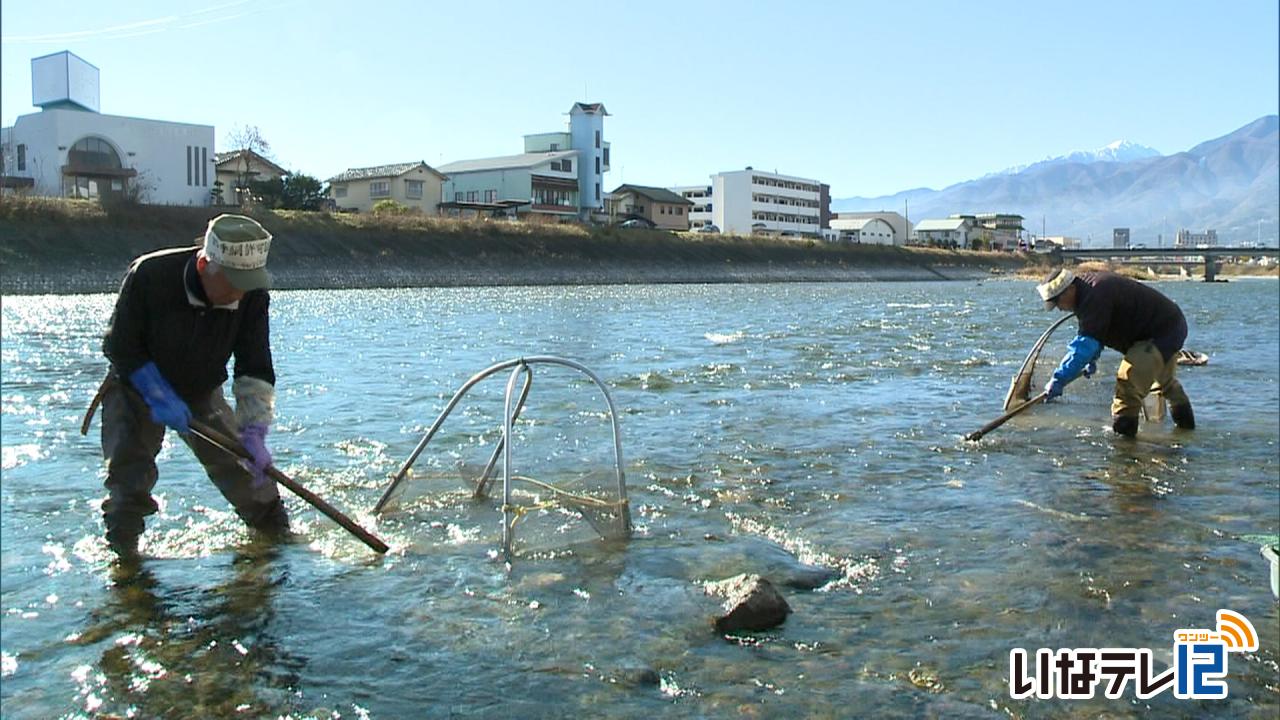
(166, 407)
(1053, 389)
(1081, 351)
(1090, 369)
(254, 438)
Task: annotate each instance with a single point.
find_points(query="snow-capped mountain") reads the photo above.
(1229, 184)
(1118, 151)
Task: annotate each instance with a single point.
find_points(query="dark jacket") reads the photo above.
(155, 320)
(1119, 312)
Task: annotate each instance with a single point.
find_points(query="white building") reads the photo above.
(700, 196)
(869, 231)
(747, 201)
(951, 232)
(900, 224)
(70, 149)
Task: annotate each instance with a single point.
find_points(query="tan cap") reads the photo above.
(1054, 285)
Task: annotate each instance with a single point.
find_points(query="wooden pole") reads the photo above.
(230, 445)
(1005, 417)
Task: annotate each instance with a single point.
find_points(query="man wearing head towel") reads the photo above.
(1130, 317)
(181, 315)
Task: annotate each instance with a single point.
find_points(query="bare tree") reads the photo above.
(244, 138)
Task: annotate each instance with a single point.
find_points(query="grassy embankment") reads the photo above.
(1226, 270)
(54, 245)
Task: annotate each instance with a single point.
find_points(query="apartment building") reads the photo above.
(753, 201)
(1188, 239)
(700, 196)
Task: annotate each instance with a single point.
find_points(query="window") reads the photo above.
(22, 157)
(597, 192)
(606, 156)
(597, 138)
(413, 189)
(339, 191)
(457, 197)
(597, 165)
(555, 147)
(380, 188)
(490, 196)
(568, 165)
(472, 195)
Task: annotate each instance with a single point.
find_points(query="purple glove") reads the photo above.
(254, 438)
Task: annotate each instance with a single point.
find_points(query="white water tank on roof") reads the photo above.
(63, 80)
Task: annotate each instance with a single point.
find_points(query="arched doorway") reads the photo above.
(94, 170)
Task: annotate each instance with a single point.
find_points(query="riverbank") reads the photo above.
(67, 246)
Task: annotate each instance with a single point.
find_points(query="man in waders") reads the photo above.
(1133, 318)
(181, 315)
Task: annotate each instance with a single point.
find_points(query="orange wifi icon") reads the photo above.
(1237, 632)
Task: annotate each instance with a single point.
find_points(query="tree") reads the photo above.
(242, 138)
(291, 192)
(302, 192)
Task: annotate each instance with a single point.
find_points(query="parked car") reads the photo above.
(708, 228)
(637, 223)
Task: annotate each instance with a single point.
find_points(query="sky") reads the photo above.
(871, 97)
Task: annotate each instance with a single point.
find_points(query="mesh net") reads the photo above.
(564, 479)
(1093, 392)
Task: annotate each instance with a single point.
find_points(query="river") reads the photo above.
(781, 429)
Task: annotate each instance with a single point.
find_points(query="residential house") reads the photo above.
(415, 185)
(235, 169)
(747, 201)
(664, 208)
(559, 174)
(868, 230)
(952, 232)
(70, 149)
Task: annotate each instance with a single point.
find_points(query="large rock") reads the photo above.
(751, 603)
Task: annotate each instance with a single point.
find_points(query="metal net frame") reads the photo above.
(592, 509)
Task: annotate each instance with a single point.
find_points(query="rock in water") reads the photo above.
(751, 603)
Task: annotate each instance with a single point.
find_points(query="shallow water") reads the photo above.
(765, 428)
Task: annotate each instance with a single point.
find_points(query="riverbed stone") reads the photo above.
(751, 603)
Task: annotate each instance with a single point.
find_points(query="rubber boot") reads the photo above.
(1126, 425)
(273, 522)
(1182, 416)
(123, 530)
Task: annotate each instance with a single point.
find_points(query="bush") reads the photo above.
(389, 207)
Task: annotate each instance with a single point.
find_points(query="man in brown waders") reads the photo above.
(181, 315)
(1128, 316)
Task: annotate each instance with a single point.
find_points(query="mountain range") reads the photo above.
(1230, 184)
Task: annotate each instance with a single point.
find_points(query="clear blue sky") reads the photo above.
(872, 97)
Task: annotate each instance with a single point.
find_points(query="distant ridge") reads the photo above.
(1228, 184)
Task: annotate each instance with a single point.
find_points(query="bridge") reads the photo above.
(1207, 255)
